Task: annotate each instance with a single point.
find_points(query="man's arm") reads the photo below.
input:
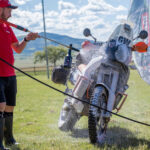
(19, 46)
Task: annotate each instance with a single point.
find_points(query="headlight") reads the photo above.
(123, 54)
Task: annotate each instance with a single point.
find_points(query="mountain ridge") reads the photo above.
(39, 43)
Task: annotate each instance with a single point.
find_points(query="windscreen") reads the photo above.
(123, 34)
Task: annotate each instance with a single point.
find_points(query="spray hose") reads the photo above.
(26, 30)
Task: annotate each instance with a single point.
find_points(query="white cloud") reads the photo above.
(103, 6)
(21, 2)
(70, 19)
(121, 8)
(26, 18)
(65, 5)
(52, 14)
(121, 17)
(100, 7)
(38, 7)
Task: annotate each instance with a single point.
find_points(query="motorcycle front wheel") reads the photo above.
(96, 123)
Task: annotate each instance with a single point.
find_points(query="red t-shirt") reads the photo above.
(7, 37)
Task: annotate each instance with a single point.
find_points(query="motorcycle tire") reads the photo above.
(95, 122)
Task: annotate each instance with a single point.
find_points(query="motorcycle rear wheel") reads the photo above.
(96, 123)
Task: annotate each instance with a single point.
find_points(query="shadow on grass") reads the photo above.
(123, 138)
(80, 133)
(116, 138)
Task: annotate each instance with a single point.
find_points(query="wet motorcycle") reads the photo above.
(103, 83)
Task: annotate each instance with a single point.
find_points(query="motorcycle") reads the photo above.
(102, 82)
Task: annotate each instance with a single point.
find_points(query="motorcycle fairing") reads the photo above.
(139, 16)
(119, 43)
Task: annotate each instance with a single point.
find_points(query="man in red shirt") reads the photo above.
(8, 86)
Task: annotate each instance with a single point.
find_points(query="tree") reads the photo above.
(55, 53)
(38, 57)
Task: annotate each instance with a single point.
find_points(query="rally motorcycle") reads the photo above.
(102, 82)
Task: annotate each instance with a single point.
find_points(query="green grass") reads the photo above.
(37, 112)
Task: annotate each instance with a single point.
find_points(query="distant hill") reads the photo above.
(38, 44)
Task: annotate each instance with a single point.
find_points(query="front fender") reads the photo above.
(105, 86)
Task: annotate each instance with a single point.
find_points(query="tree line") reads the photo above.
(54, 53)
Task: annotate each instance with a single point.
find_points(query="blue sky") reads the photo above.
(70, 17)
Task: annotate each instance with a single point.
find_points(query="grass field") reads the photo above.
(37, 112)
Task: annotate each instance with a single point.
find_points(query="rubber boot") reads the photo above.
(8, 129)
(2, 132)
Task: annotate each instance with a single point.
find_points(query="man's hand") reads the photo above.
(32, 36)
(18, 47)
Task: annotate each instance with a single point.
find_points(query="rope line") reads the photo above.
(71, 95)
